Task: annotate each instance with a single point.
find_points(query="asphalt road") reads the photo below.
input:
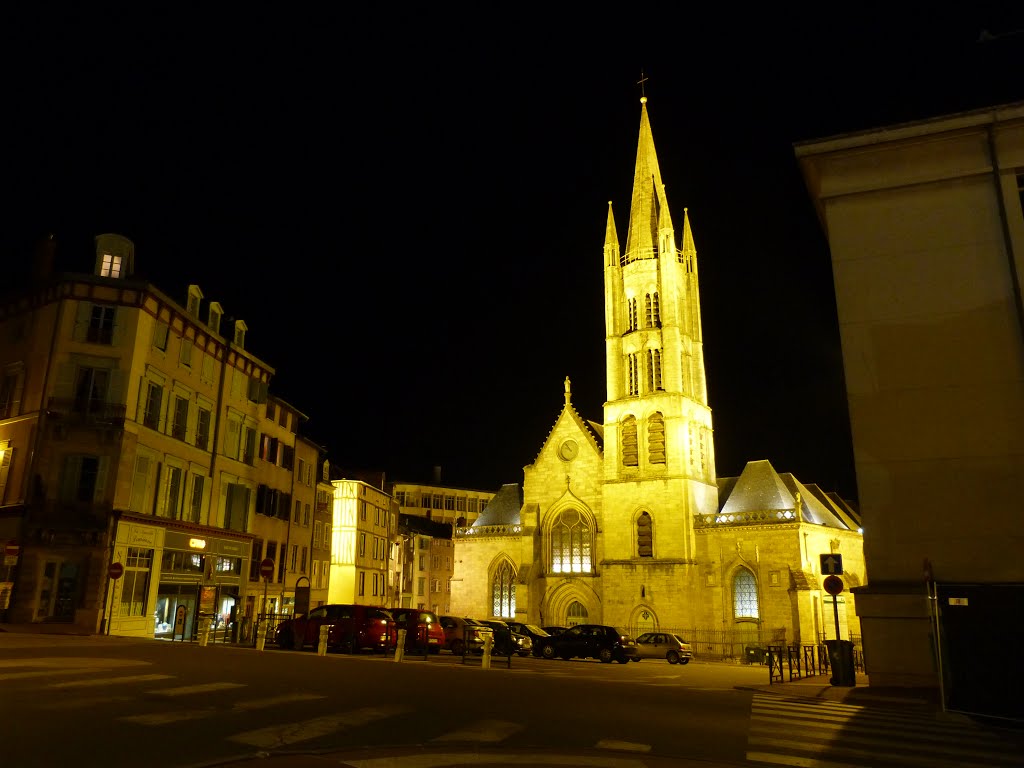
(119, 702)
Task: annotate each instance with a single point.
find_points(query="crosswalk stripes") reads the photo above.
(810, 733)
(286, 734)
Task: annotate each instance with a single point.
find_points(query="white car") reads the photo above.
(663, 645)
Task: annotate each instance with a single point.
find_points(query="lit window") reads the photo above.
(744, 589)
(571, 543)
(503, 591)
(110, 266)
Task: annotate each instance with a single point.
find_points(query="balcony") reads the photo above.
(85, 411)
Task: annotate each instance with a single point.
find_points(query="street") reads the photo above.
(122, 702)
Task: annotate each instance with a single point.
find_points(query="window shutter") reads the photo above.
(19, 384)
(117, 332)
(69, 477)
(82, 314)
(5, 468)
(140, 481)
(101, 479)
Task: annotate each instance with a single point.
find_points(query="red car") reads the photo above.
(423, 629)
(353, 628)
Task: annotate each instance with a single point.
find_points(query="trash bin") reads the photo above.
(754, 654)
(840, 657)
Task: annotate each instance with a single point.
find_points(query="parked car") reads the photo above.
(535, 633)
(422, 629)
(663, 645)
(591, 641)
(353, 628)
(462, 635)
(554, 630)
(506, 640)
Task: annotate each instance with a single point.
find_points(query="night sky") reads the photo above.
(407, 207)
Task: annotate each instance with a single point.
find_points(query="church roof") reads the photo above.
(503, 509)
(759, 488)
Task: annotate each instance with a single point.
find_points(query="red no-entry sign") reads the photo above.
(833, 585)
(12, 549)
(266, 568)
(115, 570)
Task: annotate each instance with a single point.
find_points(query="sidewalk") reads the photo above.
(861, 694)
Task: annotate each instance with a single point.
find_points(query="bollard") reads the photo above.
(400, 648)
(261, 637)
(485, 660)
(204, 632)
(321, 649)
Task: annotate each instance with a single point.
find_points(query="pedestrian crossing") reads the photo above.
(813, 733)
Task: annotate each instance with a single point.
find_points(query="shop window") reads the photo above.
(135, 581)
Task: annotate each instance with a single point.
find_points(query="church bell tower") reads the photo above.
(658, 446)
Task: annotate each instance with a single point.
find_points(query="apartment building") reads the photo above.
(426, 561)
(361, 530)
(136, 442)
(458, 507)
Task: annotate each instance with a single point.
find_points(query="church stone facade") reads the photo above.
(624, 522)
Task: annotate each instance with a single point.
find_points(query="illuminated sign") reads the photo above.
(197, 543)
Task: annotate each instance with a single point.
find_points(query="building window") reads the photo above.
(135, 581)
(297, 516)
(571, 543)
(110, 266)
(101, 325)
(362, 583)
(82, 479)
(160, 335)
(140, 485)
(236, 511)
(630, 448)
(362, 543)
(172, 497)
(196, 505)
(305, 516)
(503, 591)
(203, 429)
(91, 390)
(656, 439)
(185, 353)
(180, 417)
(653, 312)
(154, 399)
(302, 563)
(644, 536)
(633, 323)
(318, 529)
(654, 370)
(577, 614)
(744, 595)
(421, 584)
(633, 370)
(10, 391)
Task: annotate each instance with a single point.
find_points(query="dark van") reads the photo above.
(423, 630)
(353, 628)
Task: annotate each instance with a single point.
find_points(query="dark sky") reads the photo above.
(407, 207)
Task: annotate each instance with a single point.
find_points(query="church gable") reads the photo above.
(758, 489)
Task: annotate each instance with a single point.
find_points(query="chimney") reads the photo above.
(45, 254)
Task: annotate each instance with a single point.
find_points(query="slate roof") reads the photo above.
(503, 509)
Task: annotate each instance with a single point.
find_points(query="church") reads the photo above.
(623, 521)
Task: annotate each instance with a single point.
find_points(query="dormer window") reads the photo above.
(110, 266)
(240, 329)
(115, 256)
(216, 313)
(194, 297)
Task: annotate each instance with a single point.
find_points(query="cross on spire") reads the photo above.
(643, 79)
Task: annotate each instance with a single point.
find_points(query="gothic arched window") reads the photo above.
(503, 591)
(630, 448)
(656, 439)
(644, 536)
(744, 595)
(571, 543)
(631, 309)
(654, 370)
(577, 614)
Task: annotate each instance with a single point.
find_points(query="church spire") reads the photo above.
(648, 212)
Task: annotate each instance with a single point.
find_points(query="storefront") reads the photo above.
(174, 577)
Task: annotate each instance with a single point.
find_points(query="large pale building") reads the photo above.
(925, 223)
(623, 520)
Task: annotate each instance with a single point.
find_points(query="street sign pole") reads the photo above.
(835, 610)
